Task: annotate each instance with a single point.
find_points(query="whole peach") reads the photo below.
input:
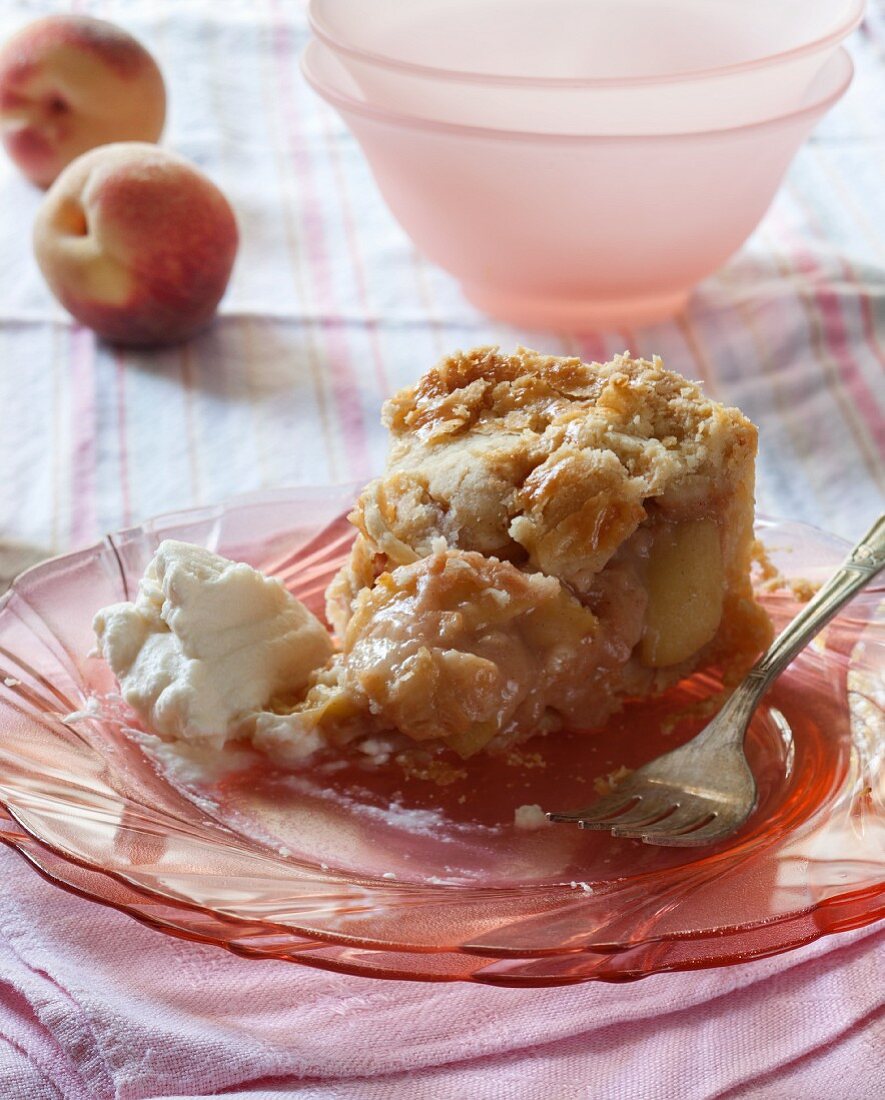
(69, 83)
(136, 243)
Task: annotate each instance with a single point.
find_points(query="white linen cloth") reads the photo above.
(329, 310)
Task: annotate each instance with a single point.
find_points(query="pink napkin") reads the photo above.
(93, 1005)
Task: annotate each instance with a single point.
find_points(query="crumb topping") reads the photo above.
(547, 461)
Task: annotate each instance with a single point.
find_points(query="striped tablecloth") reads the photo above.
(329, 310)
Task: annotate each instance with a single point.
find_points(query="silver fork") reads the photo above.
(704, 790)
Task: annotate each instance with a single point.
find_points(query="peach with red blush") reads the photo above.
(69, 83)
(136, 243)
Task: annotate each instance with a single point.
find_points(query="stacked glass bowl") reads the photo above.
(578, 164)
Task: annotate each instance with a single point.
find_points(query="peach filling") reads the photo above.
(685, 583)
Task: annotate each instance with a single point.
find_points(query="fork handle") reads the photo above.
(862, 564)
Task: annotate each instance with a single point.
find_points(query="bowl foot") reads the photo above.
(576, 314)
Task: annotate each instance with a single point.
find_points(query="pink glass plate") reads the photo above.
(361, 868)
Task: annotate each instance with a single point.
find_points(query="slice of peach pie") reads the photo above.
(550, 538)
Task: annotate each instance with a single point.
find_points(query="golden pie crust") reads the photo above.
(550, 538)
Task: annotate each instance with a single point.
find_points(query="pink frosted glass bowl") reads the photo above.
(574, 232)
(366, 870)
(586, 66)
(591, 40)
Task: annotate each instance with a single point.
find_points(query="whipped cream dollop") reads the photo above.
(207, 645)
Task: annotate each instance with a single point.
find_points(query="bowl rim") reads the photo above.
(387, 61)
(343, 102)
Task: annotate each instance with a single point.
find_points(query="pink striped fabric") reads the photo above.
(329, 310)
